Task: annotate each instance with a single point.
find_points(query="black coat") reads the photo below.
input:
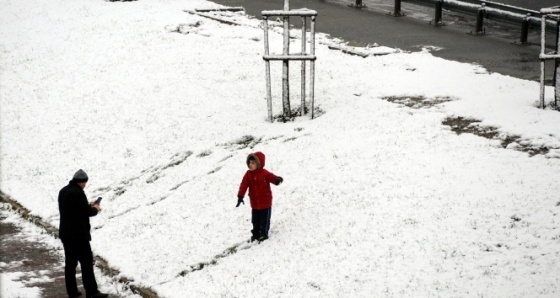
(75, 211)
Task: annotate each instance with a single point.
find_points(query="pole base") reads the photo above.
(437, 24)
(519, 43)
(477, 33)
(359, 6)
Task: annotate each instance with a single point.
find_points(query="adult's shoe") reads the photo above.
(77, 294)
(98, 295)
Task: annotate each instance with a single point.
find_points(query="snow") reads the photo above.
(12, 288)
(160, 107)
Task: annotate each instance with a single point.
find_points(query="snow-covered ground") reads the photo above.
(160, 107)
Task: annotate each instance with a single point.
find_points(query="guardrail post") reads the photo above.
(439, 12)
(358, 4)
(397, 9)
(524, 29)
(479, 29)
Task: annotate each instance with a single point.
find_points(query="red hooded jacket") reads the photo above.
(258, 182)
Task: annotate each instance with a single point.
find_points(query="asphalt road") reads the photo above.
(497, 50)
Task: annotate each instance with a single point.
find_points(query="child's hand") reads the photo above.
(239, 201)
(278, 180)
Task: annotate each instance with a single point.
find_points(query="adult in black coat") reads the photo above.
(74, 231)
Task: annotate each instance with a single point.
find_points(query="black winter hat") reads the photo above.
(80, 176)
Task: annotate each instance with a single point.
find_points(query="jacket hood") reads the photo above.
(259, 157)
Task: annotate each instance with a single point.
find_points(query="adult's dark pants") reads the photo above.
(261, 222)
(78, 251)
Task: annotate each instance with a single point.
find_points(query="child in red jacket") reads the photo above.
(258, 180)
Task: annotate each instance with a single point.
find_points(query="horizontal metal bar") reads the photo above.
(290, 57)
(548, 56)
(509, 8)
(289, 13)
(551, 10)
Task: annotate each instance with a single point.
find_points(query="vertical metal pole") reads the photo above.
(543, 29)
(312, 68)
(285, 67)
(267, 63)
(524, 29)
(303, 51)
(439, 13)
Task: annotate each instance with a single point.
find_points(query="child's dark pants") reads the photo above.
(261, 223)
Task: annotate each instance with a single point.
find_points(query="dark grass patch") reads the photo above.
(204, 153)
(225, 158)
(176, 160)
(461, 125)
(418, 102)
(317, 112)
(246, 141)
(214, 261)
(214, 170)
(290, 139)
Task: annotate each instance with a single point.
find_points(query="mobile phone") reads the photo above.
(98, 200)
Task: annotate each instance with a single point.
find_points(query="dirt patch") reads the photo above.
(462, 125)
(35, 259)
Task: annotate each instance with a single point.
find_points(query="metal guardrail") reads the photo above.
(492, 10)
(482, 9)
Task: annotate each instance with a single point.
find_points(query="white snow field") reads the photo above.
(161, 107)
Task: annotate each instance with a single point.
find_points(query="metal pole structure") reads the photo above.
(543, 29)
(312, 67)
(303, 50)
(286, 67)
(267, 63)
